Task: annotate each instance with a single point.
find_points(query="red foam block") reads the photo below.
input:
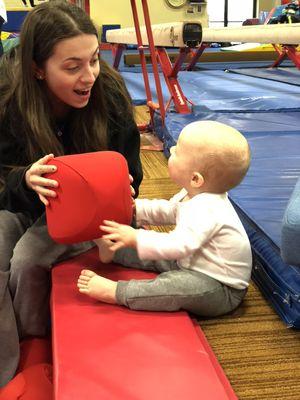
(92, 187)
(33, 380)
(34, 383)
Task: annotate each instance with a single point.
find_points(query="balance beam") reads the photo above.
(191, 34)
(277, 34)
(104, 351)
(177, 34)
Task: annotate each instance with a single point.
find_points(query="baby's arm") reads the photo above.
(151, 245)
(155, 212)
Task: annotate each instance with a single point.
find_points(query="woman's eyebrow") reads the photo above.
(78, 58)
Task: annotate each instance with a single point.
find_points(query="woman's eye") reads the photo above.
(94, 61)
(72, 68)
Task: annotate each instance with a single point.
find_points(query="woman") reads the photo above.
(56, 97)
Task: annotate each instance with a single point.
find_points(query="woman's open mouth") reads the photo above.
(82, 92)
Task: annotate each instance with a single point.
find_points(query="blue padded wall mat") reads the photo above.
(289, 75)
(221, 91)
(246, 122)
(261, 199)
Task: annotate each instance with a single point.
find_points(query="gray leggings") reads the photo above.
(27, 254)
(174, 289)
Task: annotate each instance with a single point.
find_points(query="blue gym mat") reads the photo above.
(275, 164)
(218, 90)
(268, 114)
(290, 75)
(262, 197)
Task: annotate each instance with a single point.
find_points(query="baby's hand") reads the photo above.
(131, 188)
(122, 235)
(132, 191)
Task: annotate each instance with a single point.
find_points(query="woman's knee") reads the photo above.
(12, 226)
(23, 262)
(33, 251)
(27, 257)
(26, 273)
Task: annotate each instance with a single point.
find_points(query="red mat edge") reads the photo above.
(215, 363)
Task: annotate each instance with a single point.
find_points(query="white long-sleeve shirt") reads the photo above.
(208, 237)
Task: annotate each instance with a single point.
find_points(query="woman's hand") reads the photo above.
(35, 180)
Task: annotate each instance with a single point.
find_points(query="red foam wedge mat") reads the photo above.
(103, 351)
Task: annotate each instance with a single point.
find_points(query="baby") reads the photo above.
(204, 263)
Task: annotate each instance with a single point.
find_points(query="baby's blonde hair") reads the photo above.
(219, 152)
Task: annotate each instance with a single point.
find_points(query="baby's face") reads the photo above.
(217, 152)
(179, 163)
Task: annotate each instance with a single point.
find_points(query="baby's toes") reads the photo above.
(82, 285)
(86, 273)
(83, 289)
(83, 278)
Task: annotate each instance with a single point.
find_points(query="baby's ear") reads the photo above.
(197, 180)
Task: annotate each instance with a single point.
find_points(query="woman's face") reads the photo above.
(70, 72)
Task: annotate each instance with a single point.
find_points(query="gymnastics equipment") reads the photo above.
(192, 34)
(270, 124)
(281, 33)
(188, 35)
(107, 351)
(33, 379)
(174, 34)
(92, 187)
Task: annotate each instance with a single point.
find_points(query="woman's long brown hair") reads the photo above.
(43, 28)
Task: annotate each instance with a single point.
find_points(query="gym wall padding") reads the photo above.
(15, 18)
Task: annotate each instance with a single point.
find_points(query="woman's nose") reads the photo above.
(88, 76)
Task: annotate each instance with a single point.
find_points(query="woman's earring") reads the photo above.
(39, 77)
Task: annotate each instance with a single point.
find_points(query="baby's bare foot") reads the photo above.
(105, 253)
(96, 286)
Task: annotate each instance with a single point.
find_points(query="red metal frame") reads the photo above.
(170, 74)
(159, 57)
(117, 51)
(141, 49)
(286, 51)
(196, 55)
